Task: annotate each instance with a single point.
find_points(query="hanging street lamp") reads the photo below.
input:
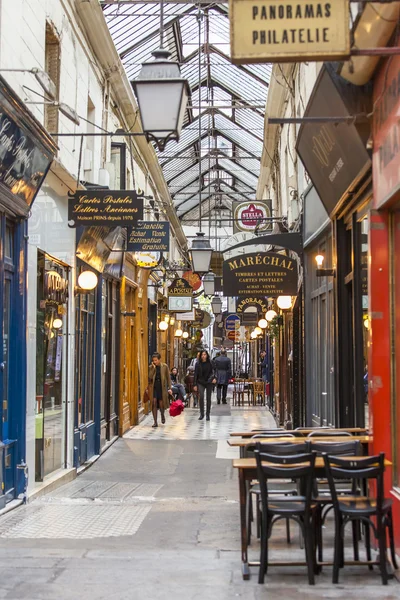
(200, 254)
(209, 284)
(162, 95)
(216, 305)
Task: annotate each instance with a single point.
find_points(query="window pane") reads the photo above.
(9, 242)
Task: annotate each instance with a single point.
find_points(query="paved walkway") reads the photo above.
(156, 519)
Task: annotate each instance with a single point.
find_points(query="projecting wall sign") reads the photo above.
(109, 208)
(260, 274)
(148, 235)
(249, 215)
(258, 303)
(289, 30)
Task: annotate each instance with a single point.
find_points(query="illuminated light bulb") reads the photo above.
(284, 302)
(87, 280)
(258, 330)
(319, 259)
(270, 315)
(163, 326)
(263, 323)
(57, 323)
(178, 333)
(185, 335)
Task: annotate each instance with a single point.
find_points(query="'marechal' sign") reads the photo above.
(268, 274)
(289, 30)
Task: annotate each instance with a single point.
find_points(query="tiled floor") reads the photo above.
(188, 427)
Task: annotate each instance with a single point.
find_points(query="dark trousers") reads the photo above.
(208, 390)
(221, 390)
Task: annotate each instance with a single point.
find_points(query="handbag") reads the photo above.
(146, 396)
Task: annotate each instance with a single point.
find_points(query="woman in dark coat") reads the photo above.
(159, 387)
(204, 379)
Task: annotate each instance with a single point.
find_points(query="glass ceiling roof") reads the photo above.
(230, 99)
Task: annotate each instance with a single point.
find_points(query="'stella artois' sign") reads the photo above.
(289, 30)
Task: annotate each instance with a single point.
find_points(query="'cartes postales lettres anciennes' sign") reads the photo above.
(149, 236)
(260, 274)
(108, 208)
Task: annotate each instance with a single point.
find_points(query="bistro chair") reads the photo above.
(238, 392)
(299, 508)
(254, 489)
(259, 392)
(375, 511)
(344, 487)
(329, 432)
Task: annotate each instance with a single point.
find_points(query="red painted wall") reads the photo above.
(379, 364)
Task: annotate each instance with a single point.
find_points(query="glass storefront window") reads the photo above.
(85, 336)
(364, 232)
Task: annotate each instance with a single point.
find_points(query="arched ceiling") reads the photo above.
(218, 154)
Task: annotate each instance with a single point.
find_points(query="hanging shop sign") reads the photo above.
(232, 322)
(110, 208)
(386, 131)
(259, 274)
(288, 30)
(251, 302)
(193, 279)
(234, 336)
(180, 295)
(26, 152)
(334, 154)
(147, 260)
(249, 215)
(148, 235)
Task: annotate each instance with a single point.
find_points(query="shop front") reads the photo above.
(51, 371)
(336, 158)
(384, 279)
(26, 153)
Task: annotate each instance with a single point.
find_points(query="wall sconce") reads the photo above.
(284, 302)
(57, 323)
(167, 318)
(253, 335)
(258, 331)
(178, 333)
(270, 315)
(163, 326)
(185, 335)
(172, 321)
(320, 272)
(87, 281)
(263, 323)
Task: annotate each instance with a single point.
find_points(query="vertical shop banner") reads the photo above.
(148, 236)
(249, 215)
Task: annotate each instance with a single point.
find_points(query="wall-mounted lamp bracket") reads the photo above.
(326, 272)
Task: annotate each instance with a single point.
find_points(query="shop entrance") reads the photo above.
(52, 294)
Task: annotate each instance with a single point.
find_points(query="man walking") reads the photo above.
(264, 365)
(223, 371)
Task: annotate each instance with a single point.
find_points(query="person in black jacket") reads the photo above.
(223, 371)
(204, 379)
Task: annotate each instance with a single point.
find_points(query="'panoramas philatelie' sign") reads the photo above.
(268, 274)
(108, 208)
(250, 302)
(288, 30)
(149, 236)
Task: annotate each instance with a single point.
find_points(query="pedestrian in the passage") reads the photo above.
(204, 379)
(223, 373)
(264, 365)
(177, 387)
(189, 383)
(159, 387)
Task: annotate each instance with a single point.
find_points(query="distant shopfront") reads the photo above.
(336, 158)
(26, 153)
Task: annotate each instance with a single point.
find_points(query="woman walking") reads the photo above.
(203, 382)
(160, 387)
